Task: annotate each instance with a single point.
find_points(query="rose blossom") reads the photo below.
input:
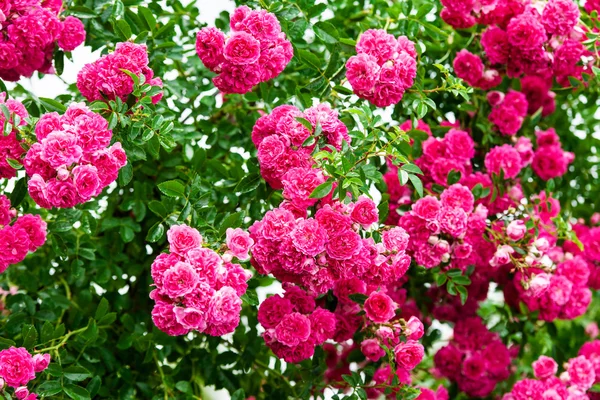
(179, 280)
(544, 367)
(183, 238)
(16, 366)
(409, 354)
(293, 329)
(379, 307)
(372, 350)
(239, 243)
(364, 212)
(516, 230)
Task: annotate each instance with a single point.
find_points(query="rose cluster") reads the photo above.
(440, 156)
(446, 231)
(590, 238)
(294, 325)
(18, 367)
(580, 374)
(256, 51)
(476, 359)
(549, 159)
(19, 235)
(316, 251)
(508, 111)
(72, 160)
(520, 39)
(104, 79)
(196, 288)
(30, 32)
(384, 67)
(10, 145)
(280, 138)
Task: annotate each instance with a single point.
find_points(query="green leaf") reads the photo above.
(148, 17)
(158, 208)
(185, 387)
(49, 388)
(238, 395)
(417, 184)
(453, 177)
(94, 385)
(172, 188)
(322, 190)
(462, 291)
(231, 221)
(30, 335)
(461, 280)
(102, 309)
(412, 168)
(76, 373)
(125, 174)
(19, 192)
(309, 59)
(358, 298)
(123, 29)
(76, 392)
(156, 232)
(81, 12)
(52, 105)
(47, 332)
(250, 298)
(326, 32)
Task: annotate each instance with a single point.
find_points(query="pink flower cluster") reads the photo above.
(72, 160)
(196, 288)
(294, 325)
(384, 67)
(10, 146)
(256, 51)
(18, 367)
(315, 252)
(446, 231)
(104, 79)
(550, 160)
(508, 111)
(520, 40)
(580, 374)
(279, 138)
(380, 310)
(590, 238)
(565, 296)
(505, 161)
(18, 236)
(453, 152)
(30, 32)
(476, 359)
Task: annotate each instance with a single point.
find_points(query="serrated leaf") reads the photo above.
(123, 29)
(322, 190)
(172, 188)
(76, 373)
(76, 392)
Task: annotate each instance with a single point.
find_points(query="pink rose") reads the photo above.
(179, 280)
(239, 243)
(516, 230)
(427, 207)
(414, 328)
(14, 244)
(344, 245)
(372, 350)
(241, 48)
(273, 310)
(60, 148)
(395, 239)
(210, 43)
(47, 124)
(380, 307)
(364, 212)
(293, 329)
(409, 354)
(362, 72)
(453, 221)
(190, 318)
(322, 325)
(309, 238)
(86, 181)
(502, 256)
(165, 320)
(224, 311)
(72, 34)
(183, 238)
(41, 362)
(61, 194)
(21, 392)
(35, 227)
(16, 366)
(539, 284)
(581, 372)
(544, 367)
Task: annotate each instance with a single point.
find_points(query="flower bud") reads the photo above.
(516, 230)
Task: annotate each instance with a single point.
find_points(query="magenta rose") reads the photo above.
(293, 329)
(581, 372)
(60, 148)
(164, 318)
(190, 318)
(179, 280)
(380, 307)
(61, 194)
(239, 243)
(242, 49)
(344, 245)
(272, 311)
(16, 366)
(322, 325)
(365, 212)
(544, 367)
(409, 354)
(414, 328)
(86, 181)
(309, 238)
(395, 239)
(41, 362)
(372, 350)
(183, 238)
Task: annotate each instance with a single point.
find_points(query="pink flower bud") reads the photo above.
(592, 330)
(414, 328)
(502, 256)
(495, 97)
(62, 174)
(595, 219)
(41, 362)
(516, 230)
(542, 244)
(21, 392)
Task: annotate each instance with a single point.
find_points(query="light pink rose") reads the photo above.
(190, 318)
(544, 367)
(239, 243)
(179, 280)
(183, 238)
(409, 354)
(516, 230)
(414, 328)
(502, 256)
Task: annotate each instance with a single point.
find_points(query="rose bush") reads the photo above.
(341, 200)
